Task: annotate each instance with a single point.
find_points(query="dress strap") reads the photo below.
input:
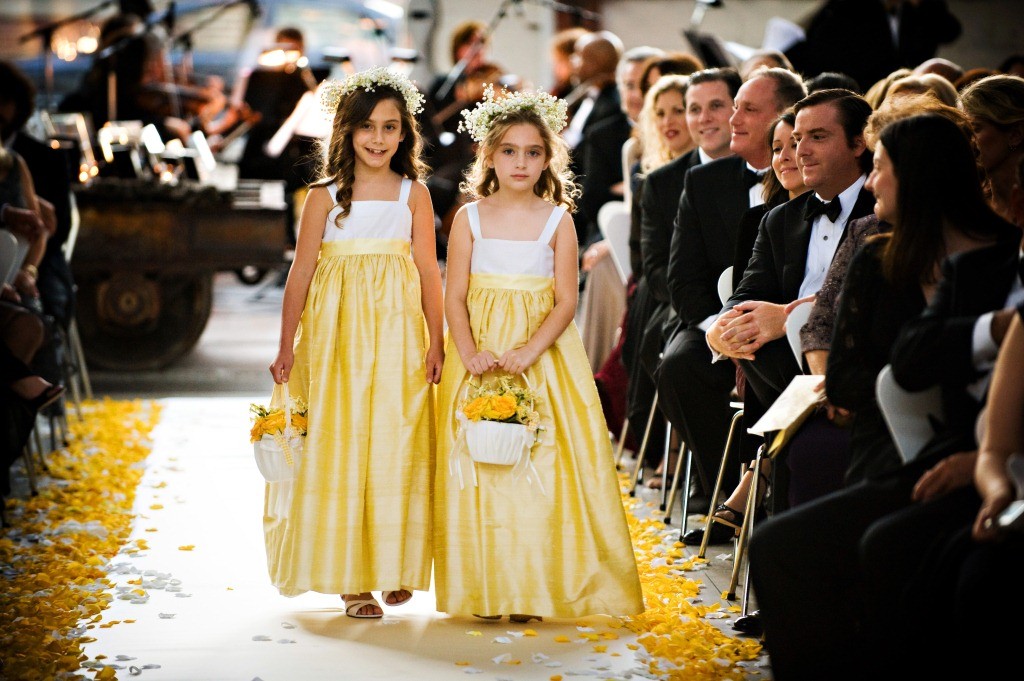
(552, 224)
(403, 194)
(474, 220)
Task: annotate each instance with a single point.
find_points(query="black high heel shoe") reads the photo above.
(45, 398)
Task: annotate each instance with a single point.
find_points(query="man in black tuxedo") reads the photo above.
(598, 129)
(708, 99)
(692, 392)
(796, 241)
(864, 544)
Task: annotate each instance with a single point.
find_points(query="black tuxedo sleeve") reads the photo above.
(656, 220)
(760, 280)
(937, 347)
(691, 291)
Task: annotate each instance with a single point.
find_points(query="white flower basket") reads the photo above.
(493, 442)
(278, 455)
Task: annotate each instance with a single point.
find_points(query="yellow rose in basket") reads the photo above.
(269, 421)
(475, 408)
(501, 408)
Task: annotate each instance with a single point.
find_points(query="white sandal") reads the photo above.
(353, 607)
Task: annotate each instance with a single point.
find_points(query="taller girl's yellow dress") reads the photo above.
(358, 516)
(552, 543)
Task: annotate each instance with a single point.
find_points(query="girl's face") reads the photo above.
(883, 184)
(519, 158)
(992, 142)
(376, 139)
(784, 159)
(670, 117)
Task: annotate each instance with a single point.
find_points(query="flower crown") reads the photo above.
(369, 80)
(479, 120)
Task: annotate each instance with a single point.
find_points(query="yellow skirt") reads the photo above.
(357, 518)
(560, 548)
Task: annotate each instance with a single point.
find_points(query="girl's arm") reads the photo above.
(460, 250)
(424, 254)
(567, 288)
(25, 281)
(307, 249)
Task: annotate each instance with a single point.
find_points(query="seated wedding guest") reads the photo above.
(708, 97)
(996, 107)
(783, 184)
(693, 392)
(52, 185)
(926, 187)
(603, 299)
(876, 93)
(929, 82)
(1013, 65)
(667, 64)
(830, 80)
(951, 71)
(769, 59)
(972, 76)
(563, 45)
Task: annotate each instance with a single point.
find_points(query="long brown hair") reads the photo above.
(338, 158)
(937, 188)
(555, 184)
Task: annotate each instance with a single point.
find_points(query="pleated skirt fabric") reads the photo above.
(554, 544)
(358, 518)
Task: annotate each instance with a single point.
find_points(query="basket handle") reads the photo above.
(287, 412)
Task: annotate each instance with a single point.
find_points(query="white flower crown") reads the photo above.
(369, 80)
(479, 120)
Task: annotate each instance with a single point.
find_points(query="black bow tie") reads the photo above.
(816, 207)
(752, 177)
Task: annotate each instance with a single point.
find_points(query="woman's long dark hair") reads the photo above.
(774, 192)
(937, 187)
(338, 160)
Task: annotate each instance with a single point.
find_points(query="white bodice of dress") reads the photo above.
(508, 256)
(372, 219)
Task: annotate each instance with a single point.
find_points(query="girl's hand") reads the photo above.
(281, 369)
(434, 361)
(481, 363)
(517, 361)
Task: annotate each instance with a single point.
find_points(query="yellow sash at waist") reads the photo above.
(534, 283)
(365, 247)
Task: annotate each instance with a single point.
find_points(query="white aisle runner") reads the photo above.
(203, 607)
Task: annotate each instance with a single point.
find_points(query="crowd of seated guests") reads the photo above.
(888, 203)
(35, 206)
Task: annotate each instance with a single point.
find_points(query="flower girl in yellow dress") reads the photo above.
(361, 343)
(551, 540)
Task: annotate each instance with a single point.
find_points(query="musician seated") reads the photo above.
(136, 55)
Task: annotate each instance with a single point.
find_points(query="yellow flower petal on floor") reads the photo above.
(84, 519)
(186, 547)
(561, 639)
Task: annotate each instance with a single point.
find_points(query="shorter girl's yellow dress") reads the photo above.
(357, 517)
(552, 543)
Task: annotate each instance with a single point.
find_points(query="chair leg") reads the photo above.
(666, 456)
(638, 467)
(621, 444)
(683, 462)
(747, 526)
(736, 418)
(75, 341)
(30, 469)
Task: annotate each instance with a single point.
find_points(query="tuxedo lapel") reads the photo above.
(734, 202)
(796, 239)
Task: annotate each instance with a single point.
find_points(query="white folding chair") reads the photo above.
(725, 285)
(908, 414)
(613, 221)
(794, 322)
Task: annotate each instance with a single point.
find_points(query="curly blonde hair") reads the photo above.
(556, 183)
(338, 158)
